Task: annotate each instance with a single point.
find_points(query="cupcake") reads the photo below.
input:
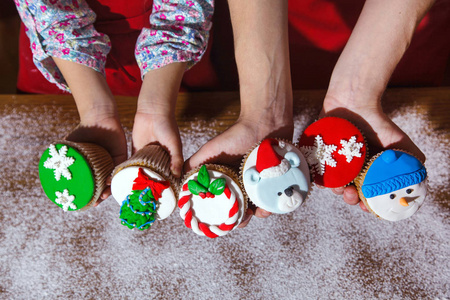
(276, 176)
(335, 150)
(144, 188)
(73, 175)
(393, 185)
(211, 201)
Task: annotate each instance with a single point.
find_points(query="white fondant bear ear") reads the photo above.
(252, 176)
(293, 159)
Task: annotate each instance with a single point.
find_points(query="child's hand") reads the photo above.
(99, 120)
(107, 133)
(155, 121)
(380, 132)
(149, 128)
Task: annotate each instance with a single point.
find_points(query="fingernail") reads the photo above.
(265, 214)
(247, 217)
(176, 171)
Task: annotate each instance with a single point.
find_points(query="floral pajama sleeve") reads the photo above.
(64, 29)
(179, 33)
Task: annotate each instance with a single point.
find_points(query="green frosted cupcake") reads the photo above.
(73, 175)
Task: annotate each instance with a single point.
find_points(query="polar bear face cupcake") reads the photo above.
(393, 186)
(276, 176)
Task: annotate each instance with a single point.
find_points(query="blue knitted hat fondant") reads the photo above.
(391, 171)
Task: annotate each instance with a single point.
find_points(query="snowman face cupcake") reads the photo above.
(400, 204)
(393, 186)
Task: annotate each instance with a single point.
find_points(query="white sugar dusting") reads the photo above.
(195, 137)
(324, 250)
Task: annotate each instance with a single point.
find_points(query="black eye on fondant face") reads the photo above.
(392, 196)
(280, 193)
(409, 191)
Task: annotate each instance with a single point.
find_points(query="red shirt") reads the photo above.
(318, 31)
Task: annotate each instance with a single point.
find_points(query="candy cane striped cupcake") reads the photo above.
(211, 201)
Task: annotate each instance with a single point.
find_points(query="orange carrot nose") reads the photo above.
(404, 202)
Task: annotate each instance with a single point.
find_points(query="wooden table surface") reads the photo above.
(223, 107)
(38, 244)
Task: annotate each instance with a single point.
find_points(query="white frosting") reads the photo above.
(122, 184)
(276, 171)
(65, 199)
(215, 211)
(392, 209)
(60, 162)
(288, 204)
(320, 155)
(283, 204)
(351, 148)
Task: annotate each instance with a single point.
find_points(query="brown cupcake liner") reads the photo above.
(155, 158)
(99, 160)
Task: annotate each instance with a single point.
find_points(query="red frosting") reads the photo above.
(267, 157)
(332, 130)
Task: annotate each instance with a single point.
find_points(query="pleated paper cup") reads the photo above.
(153, 157)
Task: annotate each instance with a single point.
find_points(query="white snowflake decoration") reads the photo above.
(60, 162)
(65, 200)
(350, 148)
(319, 155)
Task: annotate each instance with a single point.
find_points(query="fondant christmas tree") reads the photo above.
(139, 209)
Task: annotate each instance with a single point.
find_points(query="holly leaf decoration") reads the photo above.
(203, 177)
(196, 188)
(217, 186)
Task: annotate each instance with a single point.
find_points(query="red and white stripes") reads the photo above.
(212, 231)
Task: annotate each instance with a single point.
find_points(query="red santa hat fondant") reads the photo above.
(268, 162)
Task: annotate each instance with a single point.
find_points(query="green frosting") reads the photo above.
(203, 186)
(81, 185)
(139, 209)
